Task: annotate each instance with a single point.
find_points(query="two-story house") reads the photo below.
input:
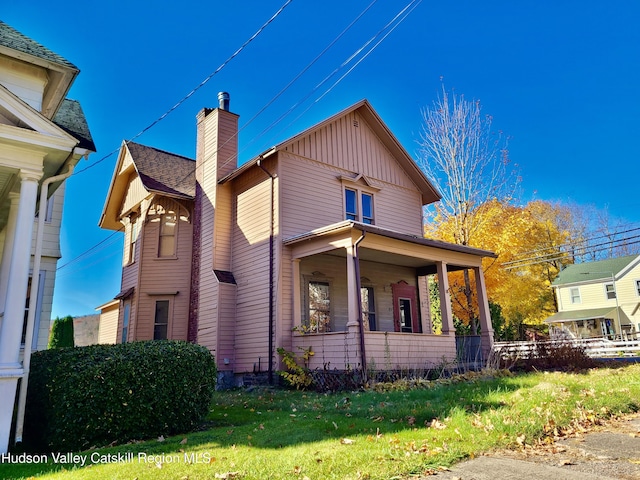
(317, 243)
(42, 136)
(598, 299)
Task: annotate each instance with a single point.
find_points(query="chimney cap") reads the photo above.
(223, 101)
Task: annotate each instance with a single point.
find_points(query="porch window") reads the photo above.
(167, 241)
(125, 320)
(161, 324)
(575, 295)
(319, 307)
(406, 322)
(610, 291)
(358, 206)
(368, 308)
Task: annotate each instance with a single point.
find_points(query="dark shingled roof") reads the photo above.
(71, 119)
(164, 172)
(11, 38)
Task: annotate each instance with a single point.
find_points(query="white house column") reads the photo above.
(485, 314)
(11, 330)
(352, 300)
(445, 299)
(9, 238)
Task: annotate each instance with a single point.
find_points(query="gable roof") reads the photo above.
(429, 192)
(593, 271)
(71, 119)
(164, 172)
(13, 39)
(60, 72)
(159, 171)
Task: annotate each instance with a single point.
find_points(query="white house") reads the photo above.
(598, 299)
(42, 136)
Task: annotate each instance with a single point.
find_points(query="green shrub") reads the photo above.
(96, 395)
(62, 333)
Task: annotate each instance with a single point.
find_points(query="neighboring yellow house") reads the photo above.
(316, 243)
(598, 299)
(42, 136)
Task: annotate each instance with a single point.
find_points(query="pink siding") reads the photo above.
(307, 184)
(251, 269)
(226, 329)
(384, 351)
(161, 277)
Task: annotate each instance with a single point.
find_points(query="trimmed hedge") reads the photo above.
(101, 394)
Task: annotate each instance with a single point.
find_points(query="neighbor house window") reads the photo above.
(368, 308)
(638, 287)
(358, 206)
(610, 291)
(575, 295)
(125, 320)
(167, 241)
(161, 323)
(319, 307)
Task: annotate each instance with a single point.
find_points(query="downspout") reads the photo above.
(356, 260)
(271, 273)
(33, 295)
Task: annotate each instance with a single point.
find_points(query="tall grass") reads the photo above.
(406, 429)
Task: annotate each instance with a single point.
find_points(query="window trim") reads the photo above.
(637, 284)
(578, 296)
(134, 234)
(174, 235)
(169, 317)
(607, 292)
(360, 193)
(306, 314)
(367, 312)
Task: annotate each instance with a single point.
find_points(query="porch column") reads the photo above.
(297, 301)
(352, 290)
(445, 299)
(9, 238)
(485, 314)
(11, 330)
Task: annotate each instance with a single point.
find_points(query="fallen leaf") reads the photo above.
(183, 441)
(347, 441)
(161, 438)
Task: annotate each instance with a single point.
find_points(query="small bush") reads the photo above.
(101, 394)
(62, 333)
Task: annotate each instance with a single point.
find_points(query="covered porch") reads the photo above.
(361, 298)
(605, 322)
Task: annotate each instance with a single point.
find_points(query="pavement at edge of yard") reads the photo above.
(610, 451)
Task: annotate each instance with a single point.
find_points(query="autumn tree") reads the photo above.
(460, 152)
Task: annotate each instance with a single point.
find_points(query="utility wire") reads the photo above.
(193, 91)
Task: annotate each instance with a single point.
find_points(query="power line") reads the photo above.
(193, 91)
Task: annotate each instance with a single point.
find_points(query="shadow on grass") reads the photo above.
(277, 419)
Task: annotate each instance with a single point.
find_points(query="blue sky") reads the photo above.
(560, 78)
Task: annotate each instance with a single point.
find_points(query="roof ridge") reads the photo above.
(129, 142)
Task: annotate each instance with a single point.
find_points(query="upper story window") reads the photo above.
(575, 295)
(638, 287)
(610, 291)
(134, 226)
(167, 238)
(358, 206)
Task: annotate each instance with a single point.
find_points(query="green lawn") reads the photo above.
(361, 435)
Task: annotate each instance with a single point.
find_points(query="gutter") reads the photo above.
(356, 261)
(271, 268)
(33, 295)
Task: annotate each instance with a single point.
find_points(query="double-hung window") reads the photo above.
(161, 322)
(167, 239)
(319, 307)
(610, 291)
(575, 295)
(358, 206)
(368, 308)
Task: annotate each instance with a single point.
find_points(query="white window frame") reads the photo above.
(174, 235)
(575, 297)
(169, 316)
(306, 320)
(126, 320)
(358, 215)
(366, 311)
(637, 283)
(610, 294)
